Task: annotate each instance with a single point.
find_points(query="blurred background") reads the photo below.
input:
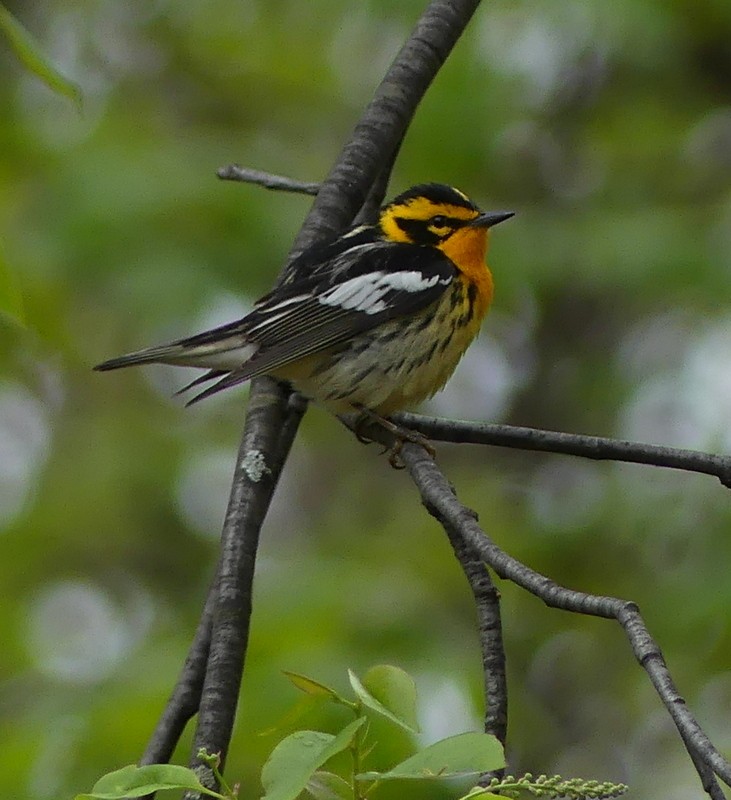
(607, 127)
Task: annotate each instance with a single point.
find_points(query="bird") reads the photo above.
(374, 321)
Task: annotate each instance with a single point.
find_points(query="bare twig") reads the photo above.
(233, 172)
(595, 447)
(440, 500)
(186, 695)
(487, 603)
(368, 211)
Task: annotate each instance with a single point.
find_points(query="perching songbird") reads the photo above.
(374, 321)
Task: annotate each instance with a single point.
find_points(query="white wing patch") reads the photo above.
(365, 292)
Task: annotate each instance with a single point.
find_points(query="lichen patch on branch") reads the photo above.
(254, 465)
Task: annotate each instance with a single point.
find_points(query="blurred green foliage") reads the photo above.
(607, 127)
(32, 57)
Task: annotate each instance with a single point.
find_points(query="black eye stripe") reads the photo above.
(417, 230)
(442, 221)
(431, 230)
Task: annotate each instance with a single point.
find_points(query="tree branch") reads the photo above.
(233, 172)
(379, 132)
(185, 697)
(441, 502)
(598, 448)
(384, 122)
(368, 211)
(270, 428)
(487, 602)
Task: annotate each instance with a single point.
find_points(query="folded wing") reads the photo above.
(367, 285)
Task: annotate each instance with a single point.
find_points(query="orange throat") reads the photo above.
(467, 248)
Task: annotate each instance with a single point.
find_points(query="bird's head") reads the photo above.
(432, 213)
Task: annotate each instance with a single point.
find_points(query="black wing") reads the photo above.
(366, 286)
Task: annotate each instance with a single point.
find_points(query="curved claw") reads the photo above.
(394, 457)
(362, 419)
(400, 434)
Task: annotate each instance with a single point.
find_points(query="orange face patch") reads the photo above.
(467, 248)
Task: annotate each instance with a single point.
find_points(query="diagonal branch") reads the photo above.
(186, 695)
(487, 602)
(270, 428)
(598, 448)
(381, 128)
(376, 137)
(441, 502)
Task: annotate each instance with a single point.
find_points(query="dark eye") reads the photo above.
(439, 221)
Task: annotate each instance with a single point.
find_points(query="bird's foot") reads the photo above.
(400, 434)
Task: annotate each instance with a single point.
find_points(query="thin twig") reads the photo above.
(594, 447)
(440, 500)
(487, 603)
(185, 697)
(279, 183)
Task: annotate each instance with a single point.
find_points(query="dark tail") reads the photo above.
(164, 354)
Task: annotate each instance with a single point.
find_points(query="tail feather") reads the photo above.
(211, 375)
(228, 380)
(150, 355)
(223, 354)
(222, 357)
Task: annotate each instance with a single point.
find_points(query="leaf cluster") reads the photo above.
(296, 764)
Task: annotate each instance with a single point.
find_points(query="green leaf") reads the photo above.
(395, 690)
(134, 781)
(295, 759)
(464, 754)
(11, 299)
(31, 56)
(328, 786)
(311, 686)
(375, 705)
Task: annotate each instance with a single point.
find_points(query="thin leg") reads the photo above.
(399, 433)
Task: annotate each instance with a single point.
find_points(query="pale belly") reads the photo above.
(395, 367)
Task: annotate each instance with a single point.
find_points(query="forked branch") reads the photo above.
(363, 164)
(460, 522)
(211, 677)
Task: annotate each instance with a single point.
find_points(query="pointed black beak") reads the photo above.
(490, 218)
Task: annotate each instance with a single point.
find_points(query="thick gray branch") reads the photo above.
(374, 142)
